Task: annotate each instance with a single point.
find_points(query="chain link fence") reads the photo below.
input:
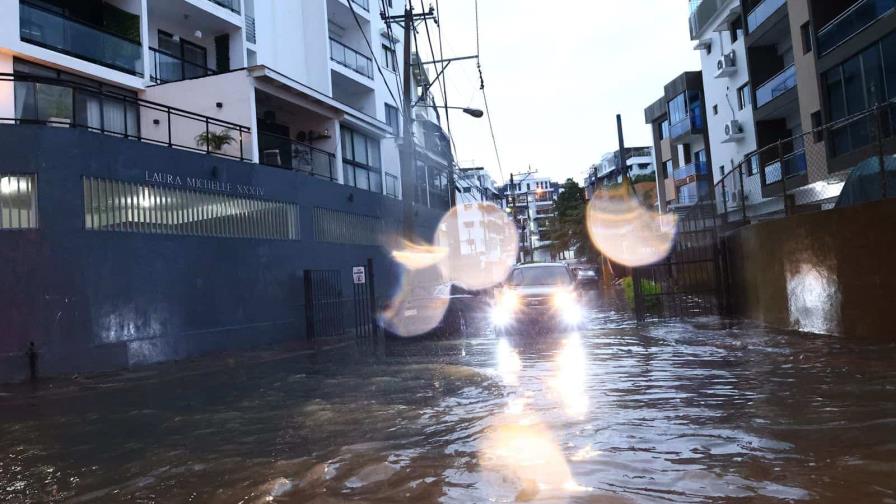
(843, 163)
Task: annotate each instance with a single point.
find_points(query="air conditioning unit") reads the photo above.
(734, 131)
(726, 65)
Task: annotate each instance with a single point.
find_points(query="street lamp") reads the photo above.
(473, 112)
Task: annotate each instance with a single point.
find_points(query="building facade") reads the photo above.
(208, 152)
(681, 143)
(530, 200)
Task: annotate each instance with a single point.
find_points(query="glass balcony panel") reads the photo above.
(854, 20)
(762, 12)
(69, 36)
(349, 58)
(776, 86)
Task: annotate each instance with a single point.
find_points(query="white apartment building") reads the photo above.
(294, 83)
(718, 30)
(478, 232)
(530, 200)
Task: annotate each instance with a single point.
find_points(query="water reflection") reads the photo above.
(674, 412)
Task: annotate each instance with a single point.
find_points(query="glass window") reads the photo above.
(392, 117)
(678, 109)
(836, 99)
(389, 60)
(111, 205)
(873, 68)
(853, 86)
(744, 97)
(18, 201)
(888, 48)
(664, 130)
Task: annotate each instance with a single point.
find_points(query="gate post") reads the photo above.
(309, 304)
(636, 289)
(371, 295)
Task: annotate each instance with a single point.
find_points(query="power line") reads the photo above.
(488, 113)
(392, 39)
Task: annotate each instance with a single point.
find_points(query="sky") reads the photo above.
(556, 74)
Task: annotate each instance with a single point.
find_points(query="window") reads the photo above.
(361, 160)
(744, 97)
(817, 132)
(391, 187)
(667, 168)
(806, 35)
(715, 110)
(678, 109)
(721, 171)
(18, 201)
(181, 60)
(111, 205)
(664, 130)
(752, 163)
(392, 118)
(390, 62)
(67, 105)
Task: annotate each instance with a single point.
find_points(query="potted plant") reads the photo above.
(214, 140)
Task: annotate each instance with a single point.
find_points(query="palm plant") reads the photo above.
(214, 140)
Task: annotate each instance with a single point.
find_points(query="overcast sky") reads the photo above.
(556, 74)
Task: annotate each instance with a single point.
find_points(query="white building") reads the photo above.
(530, 200)
(717, 28)
(479, 232)
(293, 83)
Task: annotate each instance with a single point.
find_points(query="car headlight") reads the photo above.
(564, 298)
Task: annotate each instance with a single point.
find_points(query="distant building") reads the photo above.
(530, 200)
(608, 172)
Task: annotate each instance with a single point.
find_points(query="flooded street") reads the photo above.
(704, 411)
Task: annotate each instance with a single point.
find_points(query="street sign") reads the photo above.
(358, 275)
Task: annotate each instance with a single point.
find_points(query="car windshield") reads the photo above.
(546, 275)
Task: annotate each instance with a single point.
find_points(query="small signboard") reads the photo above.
(359, 275)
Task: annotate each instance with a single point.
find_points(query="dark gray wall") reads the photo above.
(94, 300)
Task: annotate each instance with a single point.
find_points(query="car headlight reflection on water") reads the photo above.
(506, 303)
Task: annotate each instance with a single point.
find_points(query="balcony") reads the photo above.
(701, 13)
(56, 32)
(855, 19)
(283, 152)
(697, 168)
(364, 4)
(762, 12)
(784, 81)
(231, 5)
(690, 125)
(170, 68)
(793, 164)
(350, 58)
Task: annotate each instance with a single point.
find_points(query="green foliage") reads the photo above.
(568, 230)
(215, 141)
(648, 288)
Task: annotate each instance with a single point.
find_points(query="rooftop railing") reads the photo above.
(854, 20)
(67, 35)
(62, 103)
(284, 152)
(350, 58)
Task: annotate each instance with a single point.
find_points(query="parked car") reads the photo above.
(587, 278)
(424, 313)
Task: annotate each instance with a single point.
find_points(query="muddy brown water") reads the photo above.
(705, 411)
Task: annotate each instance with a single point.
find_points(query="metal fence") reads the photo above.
(839, 164)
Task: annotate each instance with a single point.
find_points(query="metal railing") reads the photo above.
(851, 22)
(783, 81)
(167, 67)
(690, 125)
(364, 4)
(350, 58)
(701, 13)
(231, 5)
(802, 173)
(58, 102)
(692, 169)
(54, 31)
(284, 152)
(762, 12)
(250, 29)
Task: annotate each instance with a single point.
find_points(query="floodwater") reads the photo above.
(706, 411)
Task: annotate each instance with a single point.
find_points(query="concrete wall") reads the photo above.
(827, 272)
(95, 300)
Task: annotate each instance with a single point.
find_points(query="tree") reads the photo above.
(568, 229)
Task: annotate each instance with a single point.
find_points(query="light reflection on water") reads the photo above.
(669, 412)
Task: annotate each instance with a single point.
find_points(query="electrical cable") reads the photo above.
(488, 113)
(370, 48)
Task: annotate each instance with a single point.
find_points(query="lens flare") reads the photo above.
(508, 363)
(481, 243)
(420, 304)
(626, 232)
(415, 256)
(569, 378)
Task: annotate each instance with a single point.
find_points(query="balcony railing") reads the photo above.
(62, 103)
(350, 58)
(701, 13)
(693, 169)
(762, 12)
(792, 165)
(170, 68)
(364, 4)
(231, 5)
(66, 35)
(690, 125)
(284, 152)
(784, 81)
(854, 20)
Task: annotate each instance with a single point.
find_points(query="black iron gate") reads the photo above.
(323, 304)
(689, 282)
(364, 298)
